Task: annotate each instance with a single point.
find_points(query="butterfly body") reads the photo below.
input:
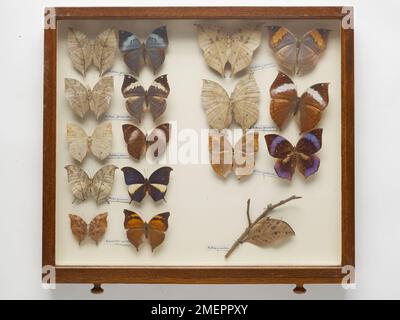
(297, 55)
(139, 186)
(302, 156)
(154, 230)
(307, 108)
(138, 98)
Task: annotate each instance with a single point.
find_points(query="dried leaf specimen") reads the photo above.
(137, 98)
(136, 53)
(99, 143)
(99, 187)
(82, 98)
(83, 52)
(297, 55)
(154, 230)
(97, 227)
(285, 103)
(137, 142)
(219, 47)
(264, 231)
(155, 185)
(242, 105)
(301, 156)
(239, 159)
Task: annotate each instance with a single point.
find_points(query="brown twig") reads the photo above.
(269, 208)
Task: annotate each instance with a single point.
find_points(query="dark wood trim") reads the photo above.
(199, 13)
(298, 275)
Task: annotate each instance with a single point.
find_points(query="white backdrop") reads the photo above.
(377, 213)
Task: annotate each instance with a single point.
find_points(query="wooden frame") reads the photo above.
(296, 275)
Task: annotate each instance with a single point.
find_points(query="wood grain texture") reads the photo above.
(299, 274)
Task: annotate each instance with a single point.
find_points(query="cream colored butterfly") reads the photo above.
(99, 143)
(219, 47)
(84, 52)
(99, 187)
(82, 98)
(241, 105)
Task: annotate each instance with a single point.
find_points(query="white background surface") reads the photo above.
(377, 118)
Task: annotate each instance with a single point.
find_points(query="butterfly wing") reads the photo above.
(98, 227)
(269, 232)
(78, 227)
(214, 42)
(245, 99)
(101, 94)
(80, 50)
(102, 183)
(104, 50)
(220, 154)
(135, 228)
(157, 96)
(243, 44)
(283, 99)
(311, 46)
(284, 46)
(280, 148)
(77, 141)
(158, 182)
(216, 104)
(136, 96)
(309, 143)
(156, 229)
(101, 140)
(311, 105)
(158, 139)
(77, 96)
(135, 141)
(156, 44)
(136, 183)
(244, 154)
(132, 49)
(79, 182)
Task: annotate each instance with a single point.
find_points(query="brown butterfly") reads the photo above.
(97, 227)
(154, 230)
(137, 98)
(285, 103)
(297, 55)
(138, 142)
(239, 158)
(302, 156)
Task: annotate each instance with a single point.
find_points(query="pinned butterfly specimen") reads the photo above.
(137, 142)
(99, 143)
(97, 227)
(239, 159)
(297, 55)
(285, 103)
(220, 48)
(301, 156)
(83, 52)
(154, 230)
(155, 185)
(136, 53)
(82, 98)
(99, 187)
(137, 98)
(268, 231)
(241, 105)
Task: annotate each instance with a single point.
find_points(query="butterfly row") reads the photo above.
(136, 228)
(295, 54)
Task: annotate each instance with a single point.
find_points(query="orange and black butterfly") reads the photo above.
(301, 156)
(154, 230)
(297, 55)
(308, 107)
